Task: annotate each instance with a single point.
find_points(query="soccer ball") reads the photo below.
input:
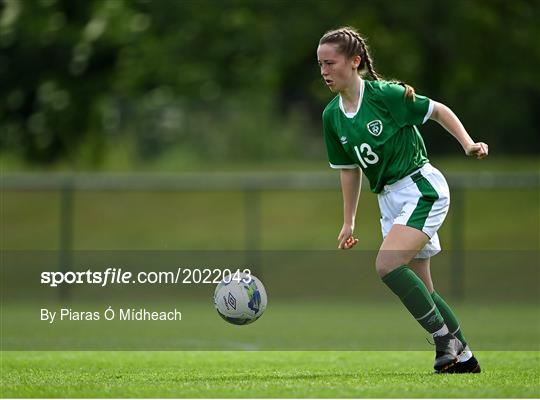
(240, 299)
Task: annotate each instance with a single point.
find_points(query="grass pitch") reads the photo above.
(262, 374)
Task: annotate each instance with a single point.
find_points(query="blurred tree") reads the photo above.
(239, 79)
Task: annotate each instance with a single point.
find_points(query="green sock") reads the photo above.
(449, 317)
(415, 296)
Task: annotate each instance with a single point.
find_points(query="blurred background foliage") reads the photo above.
(204, 81)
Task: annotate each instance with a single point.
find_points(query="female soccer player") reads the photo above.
(371, 127)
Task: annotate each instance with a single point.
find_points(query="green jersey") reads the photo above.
(381, 136)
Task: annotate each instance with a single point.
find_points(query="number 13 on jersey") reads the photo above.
(366, 155)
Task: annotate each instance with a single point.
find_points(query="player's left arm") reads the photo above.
(449, 121)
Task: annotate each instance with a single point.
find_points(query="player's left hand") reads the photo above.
(479, 150)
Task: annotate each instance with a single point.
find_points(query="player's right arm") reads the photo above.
(350, 176)
(351, 184)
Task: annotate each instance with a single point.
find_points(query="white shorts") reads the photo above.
(419, 200)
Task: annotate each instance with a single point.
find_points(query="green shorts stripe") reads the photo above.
(425, 203)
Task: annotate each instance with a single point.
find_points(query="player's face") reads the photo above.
(338, 71)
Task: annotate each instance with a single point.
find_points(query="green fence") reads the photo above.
(249, 189)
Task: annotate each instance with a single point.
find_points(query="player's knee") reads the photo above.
(383, 269)
(386, 262)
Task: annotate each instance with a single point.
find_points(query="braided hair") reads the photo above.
(351, 44)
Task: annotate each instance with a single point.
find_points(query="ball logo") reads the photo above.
(375, 127)
(231, 300)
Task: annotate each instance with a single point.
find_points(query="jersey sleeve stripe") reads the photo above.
(348, 166)
(429, 111)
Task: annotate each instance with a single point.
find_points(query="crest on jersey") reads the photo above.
(343, 139)
(375, 127)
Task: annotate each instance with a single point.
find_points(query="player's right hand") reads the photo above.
(345, 238)
(349, 243)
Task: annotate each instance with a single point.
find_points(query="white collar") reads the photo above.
(360, 97)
